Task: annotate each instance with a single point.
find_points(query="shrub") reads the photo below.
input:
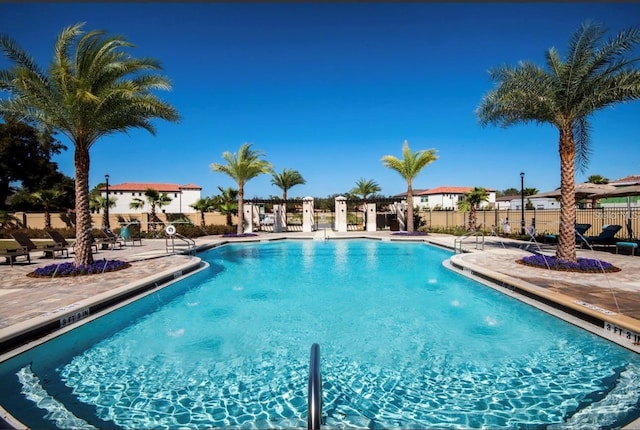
(69, 269)
(584, 265)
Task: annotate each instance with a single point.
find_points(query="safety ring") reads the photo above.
(171, 230)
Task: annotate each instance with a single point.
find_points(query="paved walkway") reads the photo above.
(615, 297)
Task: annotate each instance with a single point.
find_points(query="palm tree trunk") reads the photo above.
(409, 220)
(202, 223)
(240, 208)
(566, 237)
(47, 219)
(83, 255)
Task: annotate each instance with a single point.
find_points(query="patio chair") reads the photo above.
(108, 239)
(49, 250)
(11, 254)
(59, 240)
(131, 233)
(605, 238)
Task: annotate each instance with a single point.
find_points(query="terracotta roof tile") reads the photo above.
(143, 186)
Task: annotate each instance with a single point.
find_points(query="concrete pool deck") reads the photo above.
(612, 297)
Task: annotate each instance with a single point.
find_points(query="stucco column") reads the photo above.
(401, 214)
(248, 217)
(341, 213)
(307, 214)
(279, 218)
(372, 225)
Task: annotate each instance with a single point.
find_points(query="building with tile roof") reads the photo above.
(445, 197)
(182, 196)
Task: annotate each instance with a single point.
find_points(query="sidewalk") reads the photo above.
(612, 297)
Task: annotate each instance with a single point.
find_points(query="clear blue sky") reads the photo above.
(329, 88)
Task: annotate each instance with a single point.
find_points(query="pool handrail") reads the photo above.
(314, 397)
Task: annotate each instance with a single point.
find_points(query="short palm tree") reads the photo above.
(594, 74)
(409, 167)
(48, 199)
(242, 166)
(471, 203)
(99, 203)
(203, 205)
(365, 188)
(156, 199)
(286, 180)
(227, 202)
(91, 89)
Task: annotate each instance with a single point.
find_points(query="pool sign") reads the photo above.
(77, 316)
(623, 333)
(171, 230)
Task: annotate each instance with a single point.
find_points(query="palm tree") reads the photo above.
(471, 202)
(202, 206)
(227, 202)
(48, 199)
(409, 167)
(364, 188)
(155, 199)
(91, 89)
(287, 180)
(597, 179)
(242, 166)
(99, 203)
(594, 75)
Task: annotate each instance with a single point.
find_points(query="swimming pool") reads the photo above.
(405, 343)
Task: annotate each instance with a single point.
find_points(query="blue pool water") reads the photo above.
(405, 343)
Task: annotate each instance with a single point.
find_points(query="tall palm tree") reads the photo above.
(242, 166)
(286, 180)
(471, 202)
(156, 199)
(91, 89)
(48, 199)
(409, 167)
(594, 74)
(364, 188)
(227, 202)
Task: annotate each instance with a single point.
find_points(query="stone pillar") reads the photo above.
(401, 214)
(370, 209)
(341, 213)
(307, 214)
(279, 218)
(247, 210)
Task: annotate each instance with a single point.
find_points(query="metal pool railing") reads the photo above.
(314, 398)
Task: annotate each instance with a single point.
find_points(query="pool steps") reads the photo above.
(56, 411)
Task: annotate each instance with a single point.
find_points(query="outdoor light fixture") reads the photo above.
(522, 203)
(106, 203)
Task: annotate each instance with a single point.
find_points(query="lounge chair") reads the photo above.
(131, 233)
(11, 254)
(49, 250)
(60, 241)
(109, 239)
(607, 236)
(580, 230)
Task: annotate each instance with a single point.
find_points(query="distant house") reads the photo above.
(182, 197)
(536, 202)
(444, 198)
(504, 202)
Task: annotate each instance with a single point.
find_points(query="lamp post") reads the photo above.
(522, 203)
(106, 203)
